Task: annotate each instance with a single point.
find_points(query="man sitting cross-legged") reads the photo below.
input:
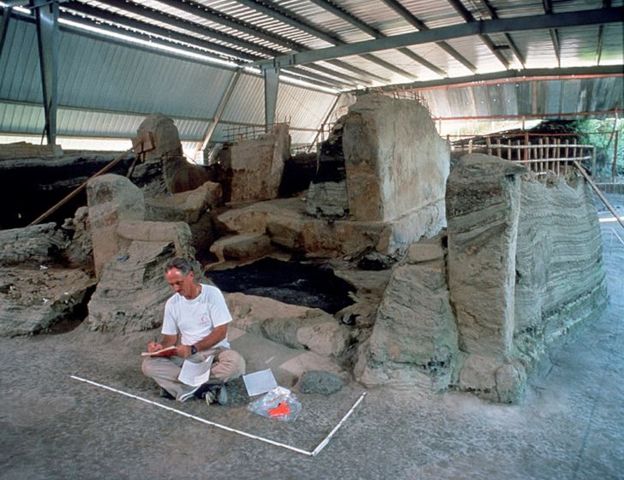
(195, 322)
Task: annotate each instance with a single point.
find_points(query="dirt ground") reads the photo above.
(569, 426)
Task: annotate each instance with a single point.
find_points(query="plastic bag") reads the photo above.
(279, 403)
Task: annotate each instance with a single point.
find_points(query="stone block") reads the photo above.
(414, 338)
(254, 167)
(558, 238)
(425, 252)
(327, 199)
(324, 383)
(131, 291)
(250, 311)
(187, 206)
(34, 245)
(317, 331)
(157, 136)
(177, 233)
(111, 199)
(240, 247)
(483, 200)
(394, 158)
(35, 300)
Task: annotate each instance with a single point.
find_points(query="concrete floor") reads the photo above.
(570, 425)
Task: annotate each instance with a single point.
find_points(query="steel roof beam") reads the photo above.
(352, 68)
(225, 98)
(231, 39)
(512, 45)
(204, 44)
(149, 28)
(298, 46)
(373, 32)
(221, 18)
(469, 18)
(301, 24)
(605, 4)
(183, 24)
(4, 26)
(420, 25)
(290, 19)
(511, 76)
(250, 29)
(554, 35)
(194, 47)
(481, 27)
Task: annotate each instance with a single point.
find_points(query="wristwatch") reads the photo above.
(193, 349)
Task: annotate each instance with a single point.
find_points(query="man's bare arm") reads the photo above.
(166, 341)
(218, 334)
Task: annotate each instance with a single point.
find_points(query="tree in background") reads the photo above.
(607, 136)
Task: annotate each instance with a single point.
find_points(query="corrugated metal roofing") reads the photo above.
(550, 97)
(106, 86)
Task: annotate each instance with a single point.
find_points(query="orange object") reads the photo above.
(281, 410)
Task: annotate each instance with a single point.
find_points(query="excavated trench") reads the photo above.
(314, 286)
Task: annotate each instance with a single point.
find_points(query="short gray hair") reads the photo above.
(185, 265)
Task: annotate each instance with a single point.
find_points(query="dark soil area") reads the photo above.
(28, 188)
(290, 282)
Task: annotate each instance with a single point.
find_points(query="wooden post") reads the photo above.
(498, 148)
(593, 155)
(488, 144)
(547, 155)
(527, 155)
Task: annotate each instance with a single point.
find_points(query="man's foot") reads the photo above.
(202, 390)
(165, 394)
(216, 394)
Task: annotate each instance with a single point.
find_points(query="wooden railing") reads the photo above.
(544, 154)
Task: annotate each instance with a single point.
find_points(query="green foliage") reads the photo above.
(601, 134)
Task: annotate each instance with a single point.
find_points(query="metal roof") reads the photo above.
(120, 60)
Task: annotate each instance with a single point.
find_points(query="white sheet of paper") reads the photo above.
(195, 374)
(259, 382)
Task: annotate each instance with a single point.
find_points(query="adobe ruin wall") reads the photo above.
(523, 265)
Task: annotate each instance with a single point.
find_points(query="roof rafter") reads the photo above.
(481, 27)
(605, 4)
(299, 23)
(328, 76)
(73, 8)
(421, 26)
(514, 48)
(375, 33)
(554, 34)
(469, 18)
(221, 18)
(126, 22)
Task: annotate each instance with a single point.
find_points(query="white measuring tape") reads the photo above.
(313, 453)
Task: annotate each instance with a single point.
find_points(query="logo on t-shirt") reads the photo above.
(205, 319)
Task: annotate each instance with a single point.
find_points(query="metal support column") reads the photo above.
(321, 128)
(6, 15)
(46, 15)
(271, 84)
(220, 109)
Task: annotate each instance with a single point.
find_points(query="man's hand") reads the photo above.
(153, 346)
(184, 351)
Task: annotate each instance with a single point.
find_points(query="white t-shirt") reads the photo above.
(196, 319)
